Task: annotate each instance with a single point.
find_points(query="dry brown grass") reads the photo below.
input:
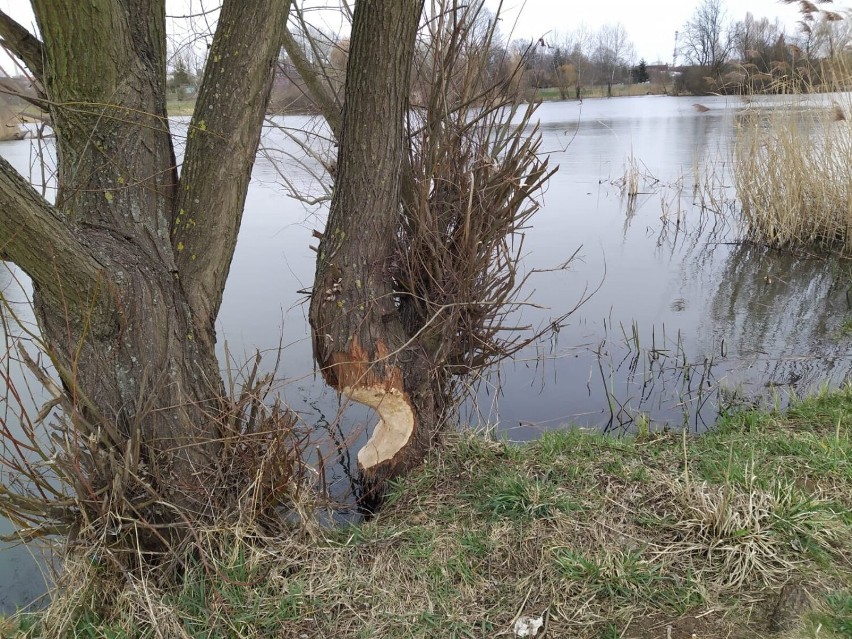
(63, 478)
(793, 173)
(657, 537)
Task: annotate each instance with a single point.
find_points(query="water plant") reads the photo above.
(793, 171)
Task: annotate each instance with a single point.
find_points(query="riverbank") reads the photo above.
(181, 108)
(554, 94)
(176, 108)
(742, 532)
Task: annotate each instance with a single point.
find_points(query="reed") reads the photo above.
(793, 172)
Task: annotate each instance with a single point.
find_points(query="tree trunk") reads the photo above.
(360, 339)
(132, 261)
(125, 346)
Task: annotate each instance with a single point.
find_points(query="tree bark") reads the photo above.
(360, 340)
(136, 260)
(23, 44)
(222, 145)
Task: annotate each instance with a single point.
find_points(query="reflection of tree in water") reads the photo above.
(781, 316)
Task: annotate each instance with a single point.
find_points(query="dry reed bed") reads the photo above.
(793, 173)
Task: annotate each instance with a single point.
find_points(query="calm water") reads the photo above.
(684, 318)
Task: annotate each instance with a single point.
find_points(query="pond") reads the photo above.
(684, 318)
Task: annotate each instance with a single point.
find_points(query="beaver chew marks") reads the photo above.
(396, 423)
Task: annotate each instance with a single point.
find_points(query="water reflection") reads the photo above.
(783, 315)
(653, 342)
(22, 577)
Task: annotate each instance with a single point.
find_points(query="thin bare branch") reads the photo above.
(323, 99)
(18, 40)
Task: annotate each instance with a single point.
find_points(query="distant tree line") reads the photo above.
(713, 54)
(756, 55)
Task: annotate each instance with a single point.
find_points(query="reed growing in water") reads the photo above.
(793, 171)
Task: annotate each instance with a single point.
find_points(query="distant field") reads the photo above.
(180, 107)
(552, 93)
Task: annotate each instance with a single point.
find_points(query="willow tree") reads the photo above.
(129, 262)
(359, 340)
(417, 266)
(416, 269)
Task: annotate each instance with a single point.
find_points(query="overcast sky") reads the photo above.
(651, 24)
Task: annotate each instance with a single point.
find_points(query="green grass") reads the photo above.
(838, 615)
(605, 537)
(832, 619)
(549, 94)
(180, 107)
(810, 444)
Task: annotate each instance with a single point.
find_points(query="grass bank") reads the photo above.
(553, 94)
(180, 107)
(743, 532)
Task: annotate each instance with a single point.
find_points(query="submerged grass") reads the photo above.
(661, 535)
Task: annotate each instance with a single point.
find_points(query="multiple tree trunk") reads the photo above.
(130, 262)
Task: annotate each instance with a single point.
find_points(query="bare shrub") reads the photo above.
(473, 173)
(64, 473)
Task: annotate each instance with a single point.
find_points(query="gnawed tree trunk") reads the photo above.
(417, 269)
(360, 340)
(130, 263)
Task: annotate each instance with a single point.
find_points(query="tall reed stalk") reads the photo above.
(793, 172)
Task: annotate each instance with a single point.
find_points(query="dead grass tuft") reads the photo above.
(731, 536)
(125, 541)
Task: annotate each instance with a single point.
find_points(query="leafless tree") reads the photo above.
(417, 274)
(580, 44)
(612, 54)
(754, 40)
(706, 37)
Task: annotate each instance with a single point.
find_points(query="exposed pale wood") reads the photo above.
(359, 339)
